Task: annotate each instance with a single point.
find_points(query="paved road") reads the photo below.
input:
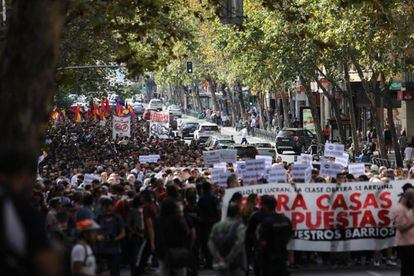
(286, 156)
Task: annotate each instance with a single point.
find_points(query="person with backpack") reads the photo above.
(254, 243)
(226, 244)
(273, 235)
(83, 261)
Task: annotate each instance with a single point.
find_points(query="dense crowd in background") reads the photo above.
(166, 215)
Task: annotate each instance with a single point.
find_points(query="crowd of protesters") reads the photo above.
(166, 215)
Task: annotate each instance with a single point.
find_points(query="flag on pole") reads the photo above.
(119, 109)
(77, 111)
(130, 110)
(54, 117)
(107, 107)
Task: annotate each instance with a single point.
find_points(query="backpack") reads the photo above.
(275, 231)
(226, 241)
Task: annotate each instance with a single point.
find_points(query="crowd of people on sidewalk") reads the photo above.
(104, 210)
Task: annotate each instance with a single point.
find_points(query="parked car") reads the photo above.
(138, 108)
(174, 110)
(245, 152)
(206, 130)
(219, 142)
(155, 104)
(294, 139)
(265, 149)
(186, 129)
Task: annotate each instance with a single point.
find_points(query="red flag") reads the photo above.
(77, 112)
(87, 113)
(119, 109)
(96, 112)
(131, 110)
(107, 107)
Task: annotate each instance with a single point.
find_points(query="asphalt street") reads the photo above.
(286, 156)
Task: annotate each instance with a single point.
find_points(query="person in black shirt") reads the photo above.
(208, 208)
(270, 252)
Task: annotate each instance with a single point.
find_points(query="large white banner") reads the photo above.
(160, 125)
(121, 127)
(333, 218)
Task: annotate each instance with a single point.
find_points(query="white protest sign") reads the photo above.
(159, 125)
(223, 178)
(277, 174)
(356, 169)
(215, 174)
(121, 127)
(342, 160)
(268, 160)
(333, 150)
(305, 158)
(330, 169)
(88, 178)
(249, 175)
(333, 218)
(211, 157)
(301, 172)
(143, 159)
(228, 155)
(220, 165)
(240, 166)
(154, 158)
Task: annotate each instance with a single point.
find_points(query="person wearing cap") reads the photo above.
(83, 261)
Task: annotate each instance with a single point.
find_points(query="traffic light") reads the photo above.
(189, 67)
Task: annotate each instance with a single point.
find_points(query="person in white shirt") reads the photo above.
(252, 125)
(243, 134)
(82, 259)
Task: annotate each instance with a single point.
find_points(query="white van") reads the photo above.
(155, 104)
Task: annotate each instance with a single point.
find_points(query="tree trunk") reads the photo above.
(380, 130)
(352, 115)
(285, 105)
(337, 112)
(261, 110)
(211, 87)
(314, 110)
(396, 145)
(197, 98)
(27, 72)
(391, 124)
(182, 95)
(370, 89)
(234, 112)
(241, 100)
